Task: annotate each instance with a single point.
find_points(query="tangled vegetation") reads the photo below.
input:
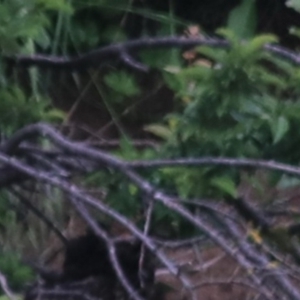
(182, 140)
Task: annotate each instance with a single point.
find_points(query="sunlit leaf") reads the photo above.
(226, 185)
(132, 189)
(159, 130)
(279, 128)
(55, 114)
(256, 236)
(295, 4)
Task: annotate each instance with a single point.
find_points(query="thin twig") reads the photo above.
(40, 215)
(5, 287)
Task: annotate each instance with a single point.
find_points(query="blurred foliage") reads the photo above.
(237, 102)
(22, 235)
(243, 19)
(12, 234)
(244, 105)
(24, 28)
(240, 102)
(17, 274)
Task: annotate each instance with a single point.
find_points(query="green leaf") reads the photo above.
(43, 39)
(263, 39)
(55, 114)
(257, 43)
(214, 54)
(279, 128)
(243, 19)
(229, 35)
(295, 4)
(226, 185)
(159, 130)
(133, 190)
(295, 31)
(122, 82)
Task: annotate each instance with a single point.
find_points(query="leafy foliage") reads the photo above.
(17, 110)
(17, 274)
(242, 102)
(233, 107)
(122, 83)
(23, 27)
(237, 102)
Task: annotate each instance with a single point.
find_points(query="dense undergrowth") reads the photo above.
(239, 102)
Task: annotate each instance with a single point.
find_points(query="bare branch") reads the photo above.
(120, 51)
(5, 288)
(244, 253)
(76, 193)
(110, 245)
(217, 161)
(151, 192)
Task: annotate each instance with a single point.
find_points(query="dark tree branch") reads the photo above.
(9, 176)
(129, 61)
(121, 52)
(110, 53)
